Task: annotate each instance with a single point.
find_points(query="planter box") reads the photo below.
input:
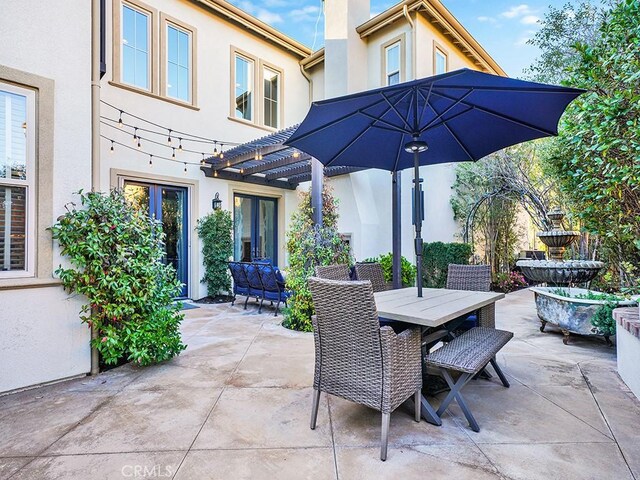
(628, 343)
(572, 315)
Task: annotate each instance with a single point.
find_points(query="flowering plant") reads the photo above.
(508, 282)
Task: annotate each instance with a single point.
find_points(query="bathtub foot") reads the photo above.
(544, 324)
(565, 338)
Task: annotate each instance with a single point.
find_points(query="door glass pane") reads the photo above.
(242, 229)
(137, 195)
(173, 223)
(266, 229)
(13, 228)
(13, 140)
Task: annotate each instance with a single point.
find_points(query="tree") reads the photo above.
(310, 245)
(561, 30)
(596, 157)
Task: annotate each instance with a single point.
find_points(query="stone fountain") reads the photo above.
(557, 271)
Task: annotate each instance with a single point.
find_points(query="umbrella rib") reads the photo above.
(347, 146)
(434, 125)
(459, 141)
(500, 115)
(333, 122)
(440, 115)
(393, 107)
(395, 165)
(426, 102)
(376, 119)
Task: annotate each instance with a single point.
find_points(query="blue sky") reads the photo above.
(501, 26)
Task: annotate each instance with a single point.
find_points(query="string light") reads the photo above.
(215, 148)
(202, 161)
(169, 138)
(173, 155)
(112, 149)
(180, 144)
(150, 160)
(139, 144)
(215, 173)
(221, 152)
(120, 120)
(135, 134)
(185, 167)
(296, 154)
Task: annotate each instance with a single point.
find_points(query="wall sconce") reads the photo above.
(216, 203)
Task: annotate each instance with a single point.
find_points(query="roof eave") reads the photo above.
(256, 26)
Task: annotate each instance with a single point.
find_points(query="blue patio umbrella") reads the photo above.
(454, 117)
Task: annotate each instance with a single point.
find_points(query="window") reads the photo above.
(392, 64)
(243, 88)
(135, 47)
(17, 185)
(178, 63)
(440, 61)
(271, 80)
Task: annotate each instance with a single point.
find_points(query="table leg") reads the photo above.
(426, 411)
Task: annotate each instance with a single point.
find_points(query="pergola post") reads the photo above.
(396, 215)
(317, 175)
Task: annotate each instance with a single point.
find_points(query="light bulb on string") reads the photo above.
(221, 152)
(139, 144)
(215, 148)
(173, 154)
(169, 137)
(180, 144)
(135, 134)
(120, 123)
(185, 167)
(112, 149)
(215, 173)
(150, 160)
(296, 154)
(202, 161)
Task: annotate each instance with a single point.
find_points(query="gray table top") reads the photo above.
(436, 307)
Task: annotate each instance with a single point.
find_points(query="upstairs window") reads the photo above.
(440, 61)
(271, 97)
(243, 93)
(392, 64)
(135, 47)
(17, 181)
(178, 63)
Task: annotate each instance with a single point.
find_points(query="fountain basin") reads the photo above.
(572, 315)
(560, 272)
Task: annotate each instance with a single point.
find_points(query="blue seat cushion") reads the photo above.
(464, 322)
(397, 325)
(240, 290)
(255, 292)
(273, 295)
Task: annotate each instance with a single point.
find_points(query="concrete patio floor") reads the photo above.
(236, 405)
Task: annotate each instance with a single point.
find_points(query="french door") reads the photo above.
(168, 204)
(255, 228)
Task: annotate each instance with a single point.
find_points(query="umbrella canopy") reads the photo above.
(455, 117)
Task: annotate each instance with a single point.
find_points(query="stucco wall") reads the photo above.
(41, 338)
(215, 38)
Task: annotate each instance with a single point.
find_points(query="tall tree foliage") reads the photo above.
(214, 230)
(596, 157)
(310, 245)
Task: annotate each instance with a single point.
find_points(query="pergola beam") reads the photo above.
(273, 164)
(219, 164)
(289, 172)
(238, 177)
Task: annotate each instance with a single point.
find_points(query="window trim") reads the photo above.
(29, 184)
(44, 89)
(116, 44)
(236, 52)
(165, 22)
(438, 48)
(280, 73)
(401, 39)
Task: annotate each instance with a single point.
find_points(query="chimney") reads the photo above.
(345, 54)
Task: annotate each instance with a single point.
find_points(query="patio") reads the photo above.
(236, 404)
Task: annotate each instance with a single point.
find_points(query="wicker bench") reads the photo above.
(468, 354)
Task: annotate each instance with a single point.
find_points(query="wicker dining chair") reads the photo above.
(373, 273)
(358, 360)
(339, 271)
(476, 278)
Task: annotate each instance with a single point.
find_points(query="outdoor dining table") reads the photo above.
(434, 309)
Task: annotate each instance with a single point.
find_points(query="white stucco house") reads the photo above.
(134, 94)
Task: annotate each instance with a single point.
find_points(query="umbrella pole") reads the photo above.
(417, 201)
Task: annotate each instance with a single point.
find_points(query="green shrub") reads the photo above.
(310, 245)
(217, 248)
(437, 256)
(407, 269)
(116, 252)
